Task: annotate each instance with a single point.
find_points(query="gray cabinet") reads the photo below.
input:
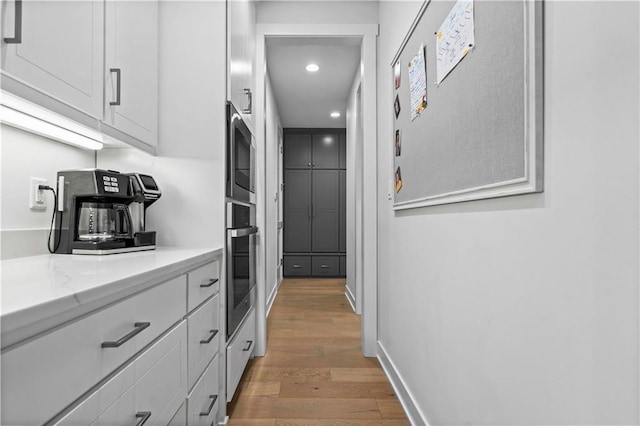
(297, 211)
(314, 202)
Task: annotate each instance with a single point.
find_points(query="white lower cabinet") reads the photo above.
(180, 418)
(76, 355)
(204, 401)
(152, 387)
(204, 337)
(239, 351)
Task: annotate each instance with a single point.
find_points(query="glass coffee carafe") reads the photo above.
(103, 222)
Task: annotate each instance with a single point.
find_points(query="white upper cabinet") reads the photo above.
(131, 69)
(241, 27)
(56, 47)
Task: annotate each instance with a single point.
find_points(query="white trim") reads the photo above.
(350, 298)
(272, 297)
(368, 33)
(409, 405)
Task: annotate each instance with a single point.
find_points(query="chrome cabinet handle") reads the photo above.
(248, 109)
(118, 75)
(296, 266)
(139, 326)
(250, 342)
(143, 416)
(17, 29)
(309, 208)
(213, 398)
(207, 341)
(211, 282)
(243, 232)
(324, 266)
(309, 164)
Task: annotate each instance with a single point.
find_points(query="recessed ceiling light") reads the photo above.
(335, 114)
(312, 68)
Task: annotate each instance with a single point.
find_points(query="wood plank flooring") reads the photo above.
(314, 373)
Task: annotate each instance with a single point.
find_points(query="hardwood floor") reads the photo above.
(314, 373)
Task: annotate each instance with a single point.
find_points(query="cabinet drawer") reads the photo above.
(325, 266)
(180, 418)
(297, 266)
(239, 351)
(204, 337)
(343, 266)
(73, 355)
(154, 385)
(203, 283)
(204, 401)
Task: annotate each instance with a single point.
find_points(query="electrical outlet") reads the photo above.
(37, 196)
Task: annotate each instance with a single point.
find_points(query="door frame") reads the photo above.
(368, 62)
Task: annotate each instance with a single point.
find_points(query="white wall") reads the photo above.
(24, 155)
(273, 195)
(316, 12)
(354, 192)
(524, 310)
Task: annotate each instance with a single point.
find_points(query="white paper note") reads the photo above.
(455, 38)
(418, 83)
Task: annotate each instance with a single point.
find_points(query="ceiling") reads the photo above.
(306, 99)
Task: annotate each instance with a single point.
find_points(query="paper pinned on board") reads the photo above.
(455, 38)
(418, 83)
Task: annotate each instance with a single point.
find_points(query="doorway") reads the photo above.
(366, 251)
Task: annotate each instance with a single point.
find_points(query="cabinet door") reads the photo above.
(297, 211)
(131, 94)
(297, 151)
(241, 47)
(343, 211)
(325, 217)
(60, 53)
(325, 151)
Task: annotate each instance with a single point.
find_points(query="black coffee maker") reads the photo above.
(94, 213)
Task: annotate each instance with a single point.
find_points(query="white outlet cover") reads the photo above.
(37, 200)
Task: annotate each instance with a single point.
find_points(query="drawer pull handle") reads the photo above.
(139, 326)
(17, 35)
(118, 72)
(207, 341)
(297, 266)
(211, 282)
(324, 266)
(250, 342)
(143, 416)
(214, 398)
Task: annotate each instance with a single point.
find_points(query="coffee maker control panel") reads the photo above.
(112, 183)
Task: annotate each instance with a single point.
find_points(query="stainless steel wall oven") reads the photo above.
(241, 262)
(240, 158)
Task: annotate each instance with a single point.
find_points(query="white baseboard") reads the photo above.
(272, 297)
(416, 417)
(350, 298)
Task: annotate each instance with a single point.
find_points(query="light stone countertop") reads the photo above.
(40, 293)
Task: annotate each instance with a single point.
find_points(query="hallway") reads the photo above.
(314, 372)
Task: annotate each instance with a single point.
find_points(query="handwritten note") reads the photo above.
(418, 83)
(455, 38)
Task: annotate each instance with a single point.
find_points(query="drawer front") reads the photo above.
(154, 385)
(204, 337)
(203, 283)
(297, 266)
(204, 401)
(239, 351)
(325, 266)
(343, 266)
(74, 355)
(180, 418)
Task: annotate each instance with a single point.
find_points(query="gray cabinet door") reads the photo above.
(297, 151)
(343, 150)
(326, 151)
(325, 211)
(343, 211)
(297, 211)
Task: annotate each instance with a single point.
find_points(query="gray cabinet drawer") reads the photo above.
(343, 266)
(325, 266)
(297, 266)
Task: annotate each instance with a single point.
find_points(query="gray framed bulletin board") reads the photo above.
(479, 133)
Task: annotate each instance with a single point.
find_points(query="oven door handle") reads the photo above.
(243, 232)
